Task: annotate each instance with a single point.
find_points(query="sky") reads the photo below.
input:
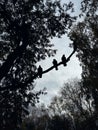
(54, 80)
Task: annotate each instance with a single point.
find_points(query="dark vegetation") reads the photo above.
(26, 29)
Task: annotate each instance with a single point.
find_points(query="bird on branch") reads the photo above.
(55, 64)
(64, 60)
(74, 46)
(40, 70)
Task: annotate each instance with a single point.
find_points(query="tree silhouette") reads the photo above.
(87, 47)
(26, 28)
(59, 122)
(85, 35)
(72, 102)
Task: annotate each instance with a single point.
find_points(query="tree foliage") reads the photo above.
(26, 28)
(85, 35)
(41, 119)
(87, 40)
(72, 101)
(74, 105)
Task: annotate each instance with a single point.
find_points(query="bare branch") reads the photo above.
(33, 77)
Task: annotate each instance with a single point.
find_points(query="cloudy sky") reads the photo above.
(54, 80)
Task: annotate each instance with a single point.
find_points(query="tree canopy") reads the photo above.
(85, 35)
(26, 28)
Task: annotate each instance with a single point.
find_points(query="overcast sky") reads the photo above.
(54, 80)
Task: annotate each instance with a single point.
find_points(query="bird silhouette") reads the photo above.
(64, 60)
(74, 46)
(40, 70)
(55, 64)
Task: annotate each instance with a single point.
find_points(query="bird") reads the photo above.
(74, 46)
(40, 70)
(63, 60)
(55, 64)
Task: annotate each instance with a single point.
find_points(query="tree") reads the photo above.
(73, 102)
(26, 28)
(55, 106)
(41, 119)
(59, 122)
(85, 35)
(38, 119)
(76, 104)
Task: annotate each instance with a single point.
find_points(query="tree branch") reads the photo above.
(32, 77)
(4, 69)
